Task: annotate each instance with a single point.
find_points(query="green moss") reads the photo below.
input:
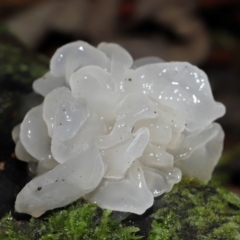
(162, 227)
(194, 210)
(191, 211)
(79, 221)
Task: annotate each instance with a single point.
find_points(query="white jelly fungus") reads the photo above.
(115, 131)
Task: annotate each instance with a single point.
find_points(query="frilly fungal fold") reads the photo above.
(115, 131)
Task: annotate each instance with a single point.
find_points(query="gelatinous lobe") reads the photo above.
(115, 131)
(34, 135)
(65, 183)
(129, 194)
(132, 108)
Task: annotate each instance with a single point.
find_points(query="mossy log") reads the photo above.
(192, 210)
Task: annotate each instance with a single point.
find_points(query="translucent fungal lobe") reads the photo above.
(116, 131)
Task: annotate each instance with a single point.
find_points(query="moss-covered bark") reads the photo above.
(79, 221)
(192, 210)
